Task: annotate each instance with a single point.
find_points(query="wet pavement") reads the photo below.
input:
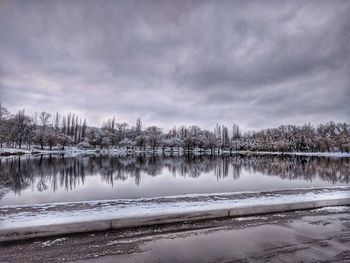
(321, 235)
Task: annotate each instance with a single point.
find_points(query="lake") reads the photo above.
(60, 178)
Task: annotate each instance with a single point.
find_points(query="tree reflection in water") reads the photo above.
(58, 171)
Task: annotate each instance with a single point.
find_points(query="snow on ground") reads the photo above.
(46, 214)
(319, 154)
(14, 150)
(334, 209)
(52, 242)
(251, 218)
(24, 150)
(76, 151)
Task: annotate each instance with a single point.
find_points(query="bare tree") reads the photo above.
(20, 126)
(4, 126)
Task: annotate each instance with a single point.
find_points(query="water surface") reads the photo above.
(59, 178)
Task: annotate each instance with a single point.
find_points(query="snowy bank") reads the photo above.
(316, 154)
(19, 222)
(6, 152)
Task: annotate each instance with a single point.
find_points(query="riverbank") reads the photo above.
(9, 152)
(23, 222)
(308, 236)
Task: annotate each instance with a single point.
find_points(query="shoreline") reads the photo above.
(24, 233)
(12, 152)
(121, 214)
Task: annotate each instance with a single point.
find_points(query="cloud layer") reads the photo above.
(256, 63)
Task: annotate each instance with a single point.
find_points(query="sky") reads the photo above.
(256, 63)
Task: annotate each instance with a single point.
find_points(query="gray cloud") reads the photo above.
(258, 63)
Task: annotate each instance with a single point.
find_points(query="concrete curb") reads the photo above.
(119, 223)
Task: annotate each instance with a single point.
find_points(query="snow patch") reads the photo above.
(333, 209)
(52, 242)
(251, 218)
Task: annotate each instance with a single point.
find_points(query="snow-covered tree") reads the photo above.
(153, 134)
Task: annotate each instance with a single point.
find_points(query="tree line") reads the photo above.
(47, 131)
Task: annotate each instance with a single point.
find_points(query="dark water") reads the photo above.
(58, 178)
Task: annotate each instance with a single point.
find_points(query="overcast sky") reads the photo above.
(256, 63)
